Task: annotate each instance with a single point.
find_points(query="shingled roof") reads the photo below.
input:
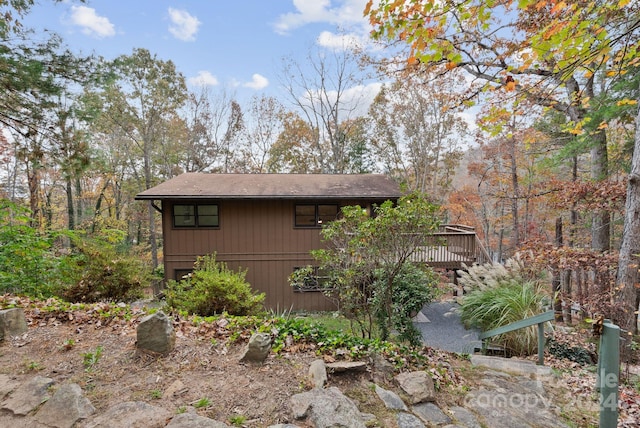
(278, 186)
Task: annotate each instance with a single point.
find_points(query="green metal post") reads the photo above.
(608, 374)
(541, 344)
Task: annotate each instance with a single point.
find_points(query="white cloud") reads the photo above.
(257, 82)
(331, 40)
(91, 23)
(183, 26)
(346, 13)
(204, 78)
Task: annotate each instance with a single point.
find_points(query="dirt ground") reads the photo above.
(95, 347)
(99, 354)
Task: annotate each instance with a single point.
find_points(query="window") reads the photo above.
(314, 215)
(196, 215)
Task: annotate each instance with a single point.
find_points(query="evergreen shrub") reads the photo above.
(212, 288)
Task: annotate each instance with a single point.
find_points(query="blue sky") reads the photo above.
(233, 44)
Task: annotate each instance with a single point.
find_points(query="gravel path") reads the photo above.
(441, 328)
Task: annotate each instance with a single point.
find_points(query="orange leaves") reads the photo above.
(412, 60)
(558, 7)
(510, 84)
(367, 8)
(590, 196)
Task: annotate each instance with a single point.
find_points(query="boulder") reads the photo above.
(67, 406)
(257, 349)
(12, 323)
(318, 373)
(347, 367)
(417, 385)
(28, 396)
(155, 334)
(390, 399)
(326, 408)
(132, 414)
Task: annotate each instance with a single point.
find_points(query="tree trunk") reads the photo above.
(627, 278)
(516, 195)
(600, 228)
(555, 281)
(71, 220)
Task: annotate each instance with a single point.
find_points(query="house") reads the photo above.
(264, 223)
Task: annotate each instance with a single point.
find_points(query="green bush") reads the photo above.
(97, 272)
(413, 287)
(27, 263)
(504, 303)
(213, 289)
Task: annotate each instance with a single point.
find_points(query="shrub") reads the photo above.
(498, 295)
(413, 288)
(27, 263)
(489, 275)
(97, 272)
(213, 289)
(506, 302)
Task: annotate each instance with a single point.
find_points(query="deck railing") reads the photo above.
(451, 246)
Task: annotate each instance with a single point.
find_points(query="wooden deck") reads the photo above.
(451, 247)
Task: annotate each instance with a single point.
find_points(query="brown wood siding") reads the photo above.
(257, 235)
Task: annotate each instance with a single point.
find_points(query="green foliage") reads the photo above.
(237, 420)
(367, 253)
(97, 271)
(203, 402)
(90, 359)
(506, 302)
(576, 354)
(27, 264)
(413, 287)
(212, 288)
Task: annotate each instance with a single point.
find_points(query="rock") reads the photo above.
(511, 365)
(431, 414)
(257, 349)
(190, 420)
(391, 399)
(176, 388)
(155, 334)
(417, 385)
(407, 420)
(7, 384)
(505, 401)
(346, 366)
(283, 426)
(67, 406)
(381, 369)
(464, 417)
(132, 414)
(326, 408)
(24, 399)
(12, 323)
(318, 373)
